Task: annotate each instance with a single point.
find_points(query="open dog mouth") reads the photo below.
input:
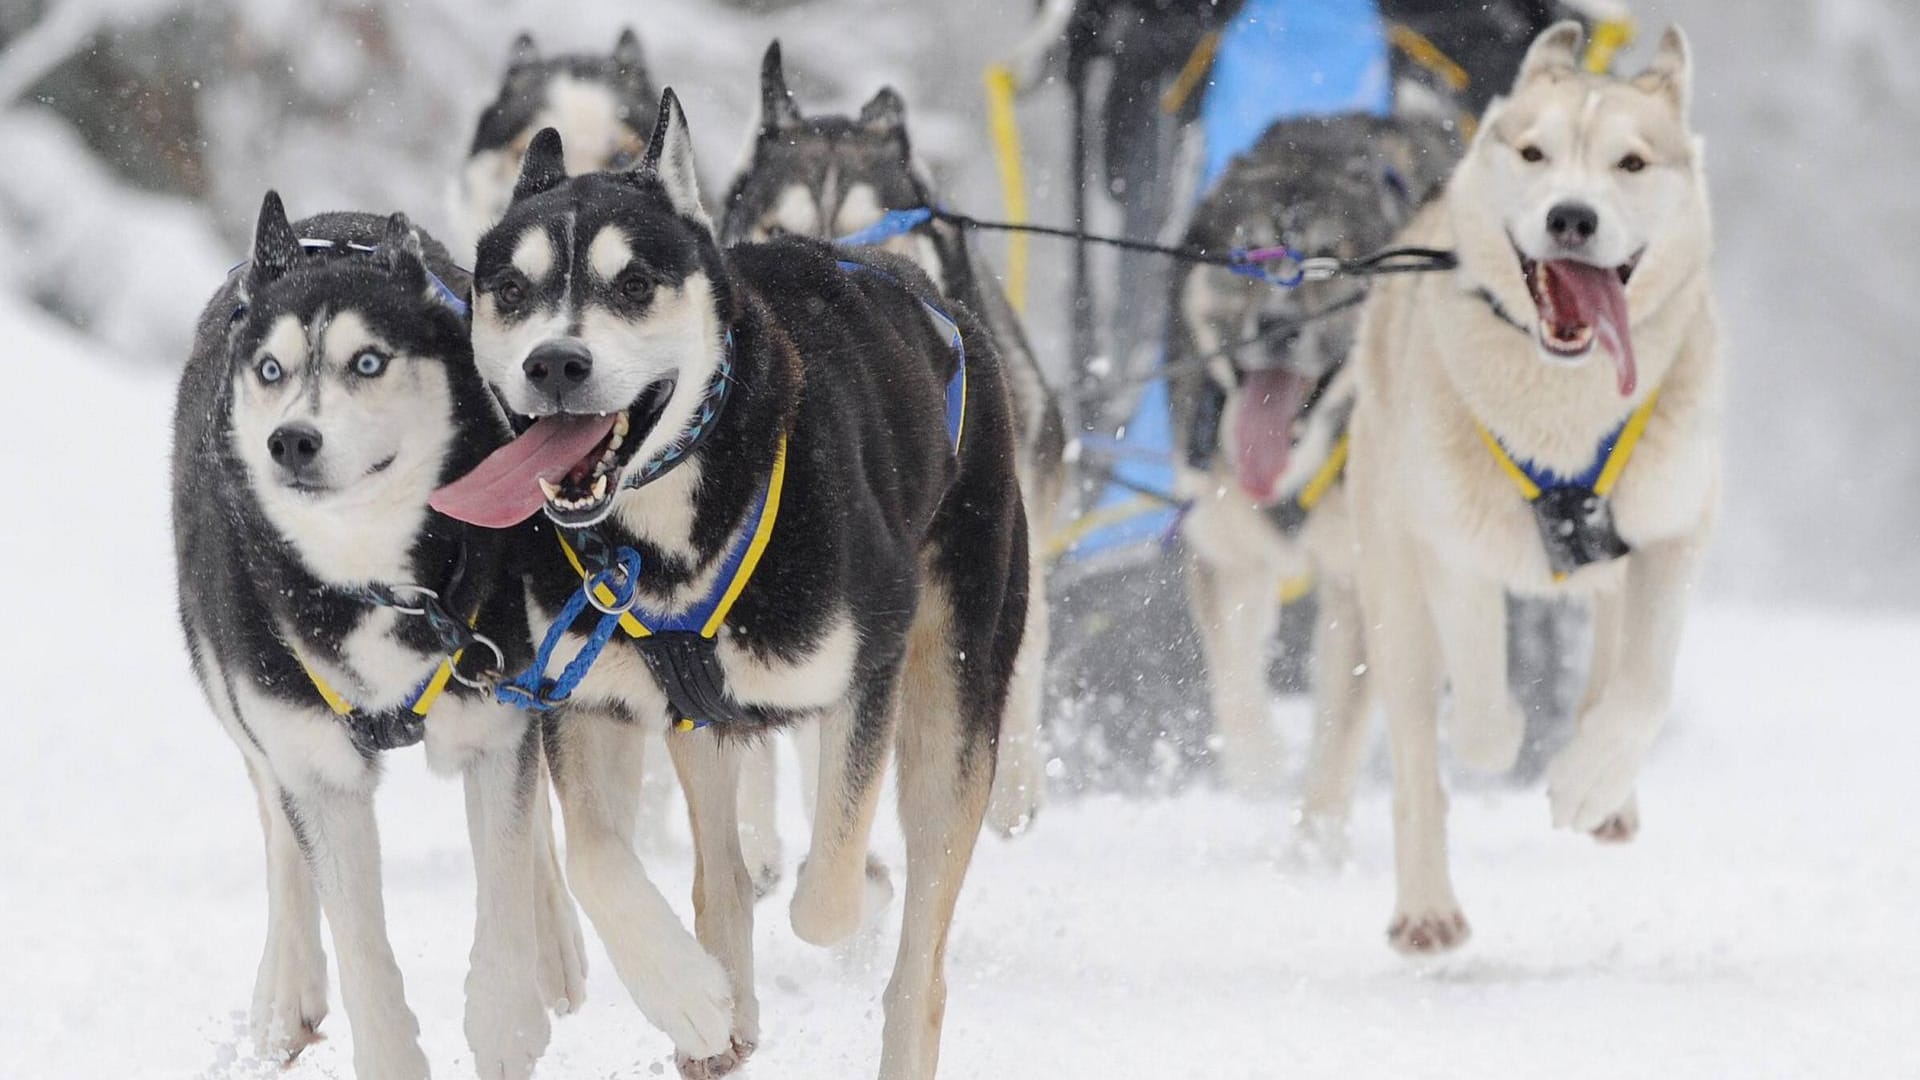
(1577, 304)
(568, 464)
(1269, 419)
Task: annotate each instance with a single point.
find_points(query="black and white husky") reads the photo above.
(805, 476)
(830, 176)
(602, 105)
(331, 615)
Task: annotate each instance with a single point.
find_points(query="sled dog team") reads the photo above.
(641, 473)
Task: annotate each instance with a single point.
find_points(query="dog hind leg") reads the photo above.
(1237, 612)
(840, 886)
(946, 775)
(1020, 778)
(723, 888)
(758, 806)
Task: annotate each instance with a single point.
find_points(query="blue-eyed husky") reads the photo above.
(331, 615)
(803, 466)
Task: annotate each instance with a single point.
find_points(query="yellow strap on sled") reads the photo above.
(1199, 62)
(1608, 38)
(1005, 129)
(1420, 49)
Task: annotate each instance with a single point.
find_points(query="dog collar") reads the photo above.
(1573, 512)
(697, 429)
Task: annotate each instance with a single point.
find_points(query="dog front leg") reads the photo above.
(1590, 783)
(562, 969)
(1237, 611)
(506, 1021)
(1407, 669)
(1470, 615)
(341, 842)
(709, 769)
(678, 987)
(290, 991)
(1340, 719)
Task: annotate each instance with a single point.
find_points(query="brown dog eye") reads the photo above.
(1633, 163)
(636, 289)
(1532, 155)
(509, 294)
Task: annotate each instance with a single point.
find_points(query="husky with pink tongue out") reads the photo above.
(1543, 421)
(797, 461)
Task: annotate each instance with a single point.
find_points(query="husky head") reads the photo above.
(1582, 199)
(352, 392)
(602, 106)
(1336, 187)
(600, 313)
(822, 176)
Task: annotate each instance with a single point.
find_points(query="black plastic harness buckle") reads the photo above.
(1576, 526)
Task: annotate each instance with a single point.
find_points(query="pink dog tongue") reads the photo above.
(1600, 301)
(1262, 429)
(505, 489)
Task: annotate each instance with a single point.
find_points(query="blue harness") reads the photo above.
(311, 244)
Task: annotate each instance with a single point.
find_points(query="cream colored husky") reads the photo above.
(1545, 419)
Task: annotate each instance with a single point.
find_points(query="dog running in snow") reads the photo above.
(602, 106)
(1545, 420)
(330, 615)
(829, 176)
(1261, 406)
(808, 457)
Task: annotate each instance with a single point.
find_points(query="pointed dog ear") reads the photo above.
(885, 114)
(524, 52)
(400, 247)
(626, 52)
(543, 167)
(276, 247)
(1670, 72)
(1555, 52)
(670, 160)
(777, 109)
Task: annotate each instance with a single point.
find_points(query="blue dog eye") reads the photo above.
(270, 370)
(369, 364)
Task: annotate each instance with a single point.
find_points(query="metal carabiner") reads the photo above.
(490, 677)
(412, 590)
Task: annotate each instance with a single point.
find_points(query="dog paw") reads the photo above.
(718, 1065)
(1592, 780)
(561, 968)
(1622, 827)
(690, 1000)
(1320, 842)
(827, 913)
(507, 1030)
(1489, 738)
(1428, 933)
(289, 1001)
(1019, 790)
(765, 861)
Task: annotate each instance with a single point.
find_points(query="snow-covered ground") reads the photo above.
(1764, 925)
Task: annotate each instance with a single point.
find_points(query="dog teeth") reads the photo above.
(600, 488)
(551, 491)
(619, 428)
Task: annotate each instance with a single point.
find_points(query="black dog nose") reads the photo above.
(1572, 224)
(557, 365)
(294, 446)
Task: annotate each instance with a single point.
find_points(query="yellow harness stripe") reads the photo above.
(1610, 473)
(341, 706)
(634, 627)
(431, 692)
(1323, 480)
(761, 535)
(1005, 130)
(1623, 449)
(1195, 69)
(421, 706)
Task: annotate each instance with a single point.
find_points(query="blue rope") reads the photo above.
(531, 689)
